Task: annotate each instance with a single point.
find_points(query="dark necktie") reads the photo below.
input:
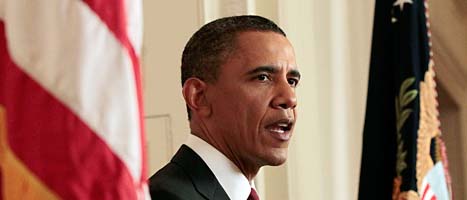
(253, 195)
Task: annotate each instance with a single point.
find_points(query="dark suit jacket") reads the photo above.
(186, 177)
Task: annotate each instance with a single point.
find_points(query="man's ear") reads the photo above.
(194, 92)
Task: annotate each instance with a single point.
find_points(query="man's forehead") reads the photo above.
(257, 49)
(259, 42)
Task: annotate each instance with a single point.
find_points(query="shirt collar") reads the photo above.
(235, 184)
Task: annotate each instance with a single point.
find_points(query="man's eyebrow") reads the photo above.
(273, 70)
(268, 69)
(294, 73)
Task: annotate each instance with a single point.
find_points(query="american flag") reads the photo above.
(71, 124)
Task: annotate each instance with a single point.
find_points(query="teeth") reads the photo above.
(283, 125)
(277, 130)
(280, 128)
(280, 131)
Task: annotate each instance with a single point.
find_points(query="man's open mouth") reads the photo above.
(281, 129)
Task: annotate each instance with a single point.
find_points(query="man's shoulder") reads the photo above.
(172, 183)
(187, 176)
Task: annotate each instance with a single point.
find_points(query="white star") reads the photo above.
(401, 3)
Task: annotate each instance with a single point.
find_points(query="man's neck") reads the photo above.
(236, 185)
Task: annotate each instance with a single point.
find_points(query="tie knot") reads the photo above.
(253, 195)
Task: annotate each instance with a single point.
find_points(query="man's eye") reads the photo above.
(292, 81)
(262, 77)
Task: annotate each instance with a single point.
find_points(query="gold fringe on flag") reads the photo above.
(18, 181)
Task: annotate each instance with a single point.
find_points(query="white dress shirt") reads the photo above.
(232, 180)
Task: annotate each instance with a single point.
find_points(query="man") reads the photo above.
(239, 77)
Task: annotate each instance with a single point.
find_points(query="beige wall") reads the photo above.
(332, 40)
(449, 31)
(167, 27)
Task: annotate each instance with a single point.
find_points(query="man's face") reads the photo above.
(253, 100)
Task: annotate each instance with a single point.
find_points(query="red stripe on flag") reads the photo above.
(114, 15)
(54, 143)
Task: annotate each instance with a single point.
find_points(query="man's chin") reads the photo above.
(277, 163)
(276, 158)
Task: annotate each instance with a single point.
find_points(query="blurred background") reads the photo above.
(332, 41)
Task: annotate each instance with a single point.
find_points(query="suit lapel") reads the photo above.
(202, 177)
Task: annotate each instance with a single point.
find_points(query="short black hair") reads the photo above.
(212, 44)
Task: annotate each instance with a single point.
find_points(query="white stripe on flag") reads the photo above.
(135, 24)
(69, 51)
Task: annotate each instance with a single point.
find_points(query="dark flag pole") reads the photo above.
(402, 146)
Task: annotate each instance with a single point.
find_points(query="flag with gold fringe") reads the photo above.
(71, 124)
(403, 154)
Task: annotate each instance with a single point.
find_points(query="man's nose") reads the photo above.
(284, 96)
